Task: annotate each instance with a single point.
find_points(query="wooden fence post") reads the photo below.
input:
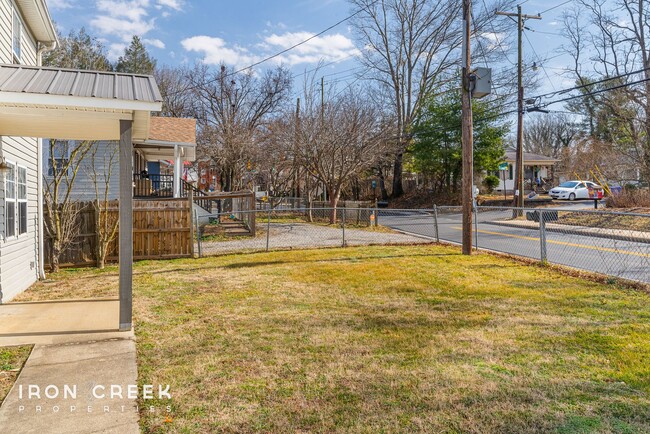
(190, 196)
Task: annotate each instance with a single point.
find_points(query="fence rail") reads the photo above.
(611, 243)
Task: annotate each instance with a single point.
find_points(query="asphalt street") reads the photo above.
(625, 259)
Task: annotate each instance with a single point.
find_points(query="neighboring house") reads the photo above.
(170, 140)
(535, 167)
(25, 27)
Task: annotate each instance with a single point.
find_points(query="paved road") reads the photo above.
(629, 260)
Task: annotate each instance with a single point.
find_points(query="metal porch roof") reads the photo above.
(78, 83)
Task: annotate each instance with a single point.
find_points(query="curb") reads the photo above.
(576, 230)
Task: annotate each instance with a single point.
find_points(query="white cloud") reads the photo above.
(154, 43)
(173, 4)
(328, 48)
(215, 51)
(123, 18)
(115, 51)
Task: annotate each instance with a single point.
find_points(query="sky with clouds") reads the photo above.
(243, 32)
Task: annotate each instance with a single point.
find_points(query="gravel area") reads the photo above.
(304, 236)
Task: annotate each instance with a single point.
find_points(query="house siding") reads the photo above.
(18, 254)
(83, 188)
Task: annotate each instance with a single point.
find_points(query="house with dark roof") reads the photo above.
(536, 167)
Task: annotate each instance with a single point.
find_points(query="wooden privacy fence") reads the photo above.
(162, 229)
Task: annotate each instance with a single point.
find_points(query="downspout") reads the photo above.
(39, 177)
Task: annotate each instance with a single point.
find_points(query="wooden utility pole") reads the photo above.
(519, 157)
(467, 133)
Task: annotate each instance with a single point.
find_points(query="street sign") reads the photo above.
(503, 166)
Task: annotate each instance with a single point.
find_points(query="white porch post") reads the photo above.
(126, 225)
(178, 171)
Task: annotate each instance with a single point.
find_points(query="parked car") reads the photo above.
(573, 190)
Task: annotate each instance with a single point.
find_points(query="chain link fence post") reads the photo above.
(542, 238)
(343, 226)
(268, 228)
(435, 222)
(475, 227)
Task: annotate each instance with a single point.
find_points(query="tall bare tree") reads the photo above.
(338, 140)
(609, 39)
(411, 46)
(233, 107)
(60, 208)
(106, 222)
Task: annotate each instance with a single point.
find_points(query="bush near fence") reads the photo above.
(162, 229)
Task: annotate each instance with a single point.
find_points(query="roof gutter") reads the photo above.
(39, 176)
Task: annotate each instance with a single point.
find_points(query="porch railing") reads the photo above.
(152, 186)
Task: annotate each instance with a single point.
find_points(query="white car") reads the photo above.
(573, 190)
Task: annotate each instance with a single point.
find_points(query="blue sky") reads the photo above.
(242, 32)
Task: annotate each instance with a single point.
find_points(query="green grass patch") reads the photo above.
(12, 360)
(388, 339)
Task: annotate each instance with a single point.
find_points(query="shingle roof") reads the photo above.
(73, 82)
(173, 130)
(512, 156)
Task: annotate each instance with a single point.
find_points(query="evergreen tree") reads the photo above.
(136, 59)
(78, 50)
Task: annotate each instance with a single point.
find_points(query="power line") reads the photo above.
(555, 7)
(541, 64)
(266, 59)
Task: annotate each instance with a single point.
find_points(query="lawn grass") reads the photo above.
(12, 360)
(386, 339)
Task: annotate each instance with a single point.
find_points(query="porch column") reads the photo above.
(126, 225)
(178, 171)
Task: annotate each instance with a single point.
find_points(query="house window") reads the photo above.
(21, 197)
(10, 200)
(510, 172)
(59, 158)
(15, 38)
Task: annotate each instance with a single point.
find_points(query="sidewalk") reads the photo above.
(80, 353)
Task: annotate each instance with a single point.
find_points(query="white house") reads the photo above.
(66, 103)
(535, 166)
(26, 30)
(171, 144)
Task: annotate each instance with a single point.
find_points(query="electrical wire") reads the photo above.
(555, 7)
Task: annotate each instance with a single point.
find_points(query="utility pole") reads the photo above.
(519, 166)
(467, 131)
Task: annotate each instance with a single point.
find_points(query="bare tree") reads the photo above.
(610, 39)
(411, 48)
(338, 140)
(233, 108)
(60, 208)
(106, 222)
(179, 97)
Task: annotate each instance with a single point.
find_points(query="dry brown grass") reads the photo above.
(630, 198)
(388, 339)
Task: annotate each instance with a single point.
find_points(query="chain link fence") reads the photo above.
(611, 243)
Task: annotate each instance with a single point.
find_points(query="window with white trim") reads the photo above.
(21, 197)
(10, 200)
(16, 33)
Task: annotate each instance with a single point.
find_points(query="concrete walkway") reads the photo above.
(76, 347)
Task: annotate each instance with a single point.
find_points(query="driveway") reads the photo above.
(76, 345)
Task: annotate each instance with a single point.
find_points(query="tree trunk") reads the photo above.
(398, 188)
(54, 260)
(334, 201)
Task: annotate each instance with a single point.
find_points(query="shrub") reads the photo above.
(630, 198)
(491, 182)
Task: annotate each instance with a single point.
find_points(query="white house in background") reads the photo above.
(26, 30)
(535, 166)
(171, 146)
